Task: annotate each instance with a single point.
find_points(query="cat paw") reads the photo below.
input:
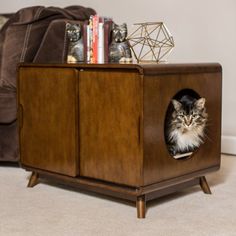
(125, 60)
(129, 60)
(71, 59)
(172, 151)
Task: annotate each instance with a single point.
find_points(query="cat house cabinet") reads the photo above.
(101, 127)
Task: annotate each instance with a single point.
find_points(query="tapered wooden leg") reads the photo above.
(204, 185)
(33, 180)
(141, 206)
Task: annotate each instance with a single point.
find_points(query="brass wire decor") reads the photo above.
(150, 41)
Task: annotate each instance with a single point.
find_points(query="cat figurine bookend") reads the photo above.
(119, 50)
(76, 47)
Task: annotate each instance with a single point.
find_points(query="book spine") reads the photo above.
(95, 39)
(107, 39)
(85, 35)
(98, 37)
(101, 42)
(88, 42)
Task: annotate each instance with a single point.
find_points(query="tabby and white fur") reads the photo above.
(186, 125)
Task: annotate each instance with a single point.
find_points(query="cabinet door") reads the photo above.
(110, 120)
(48, 119)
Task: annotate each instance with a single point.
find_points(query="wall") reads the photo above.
(204, 31)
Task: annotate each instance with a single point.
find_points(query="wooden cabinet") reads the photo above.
(101, 127)
(48, 105)
(110, 113)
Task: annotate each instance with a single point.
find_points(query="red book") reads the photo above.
(95, 39)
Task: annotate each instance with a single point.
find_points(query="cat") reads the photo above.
(119, 50)
(185, 125)
(76, 48)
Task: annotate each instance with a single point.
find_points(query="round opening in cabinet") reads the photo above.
(185, 123)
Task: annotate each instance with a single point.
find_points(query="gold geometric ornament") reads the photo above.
(150, 41)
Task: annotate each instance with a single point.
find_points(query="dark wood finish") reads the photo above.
(207, 85)
(110, 115)
(101, 127)
(125, 192)
(33, 180)
(141, 206)
(147, 69)
(49, 113)
(204, 185)
(169, 187)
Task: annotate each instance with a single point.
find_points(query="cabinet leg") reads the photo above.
(204, 185)
(141, 206)
(33, 180)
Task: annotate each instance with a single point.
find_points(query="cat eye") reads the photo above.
(180, 113)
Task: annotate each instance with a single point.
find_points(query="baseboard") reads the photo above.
(228, 145)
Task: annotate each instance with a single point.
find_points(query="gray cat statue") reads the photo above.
(119, 50)
(76, 47)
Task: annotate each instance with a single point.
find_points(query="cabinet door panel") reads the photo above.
(49, 130)
(110, 120)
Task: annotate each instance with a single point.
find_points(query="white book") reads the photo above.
(88, 43)
(101, 42)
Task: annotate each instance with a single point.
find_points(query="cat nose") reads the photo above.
(188, 121)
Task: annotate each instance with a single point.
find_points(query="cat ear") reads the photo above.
(68, 25)
(200, 103)
(177, 105)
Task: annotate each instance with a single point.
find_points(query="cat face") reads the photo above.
(119, 33)
(73, 32)
(189, 115)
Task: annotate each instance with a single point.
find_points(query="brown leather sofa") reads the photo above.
(33, 35)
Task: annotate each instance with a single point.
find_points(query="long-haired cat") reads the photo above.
(186, 123)
(119, 50)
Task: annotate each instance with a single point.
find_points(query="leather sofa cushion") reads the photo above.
(9, 142)
(7, 106)
(23, 33)
(3, 20)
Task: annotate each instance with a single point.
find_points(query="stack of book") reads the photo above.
(97, 37)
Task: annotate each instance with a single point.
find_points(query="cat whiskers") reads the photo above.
(206, 135)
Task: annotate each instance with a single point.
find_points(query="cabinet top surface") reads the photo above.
(151, 68)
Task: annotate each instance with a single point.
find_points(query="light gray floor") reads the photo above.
(55, 210)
